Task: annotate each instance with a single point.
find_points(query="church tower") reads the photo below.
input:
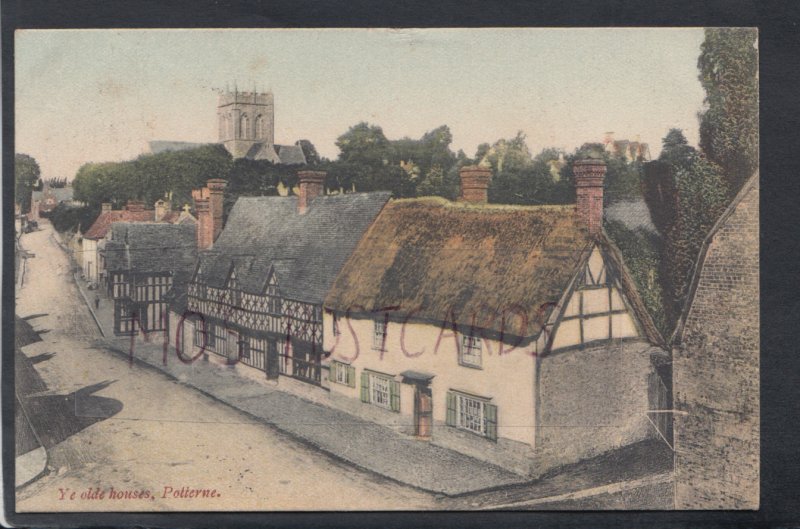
(246, 119)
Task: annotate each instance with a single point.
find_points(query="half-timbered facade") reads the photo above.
(256, 296)
(511, 333)
(142, 261)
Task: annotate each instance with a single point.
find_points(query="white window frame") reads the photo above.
(378, 386)
(470, 353)
(462, 419)
(380, 330)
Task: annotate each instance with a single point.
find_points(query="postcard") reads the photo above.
(386, 269)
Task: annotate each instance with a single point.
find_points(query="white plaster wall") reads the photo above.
(507, 379)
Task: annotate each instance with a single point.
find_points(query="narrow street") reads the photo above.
(107, 424)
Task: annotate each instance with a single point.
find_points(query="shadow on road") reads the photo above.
(57, 417)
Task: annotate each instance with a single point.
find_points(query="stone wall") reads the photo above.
(716, 370)
(593, 400)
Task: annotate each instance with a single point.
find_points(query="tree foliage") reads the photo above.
(686, 194)
(26, 176)
(728, 65)
(70, 218)
(642, 253)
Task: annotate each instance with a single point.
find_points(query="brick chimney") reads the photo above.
(589, 176)
(311, 186)
(105, 207)
(208, 206)
(135, 205)
(474, 184)
(162, 207)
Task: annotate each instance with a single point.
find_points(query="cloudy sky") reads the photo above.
(100, 95)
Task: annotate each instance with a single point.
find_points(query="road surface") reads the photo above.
(159, 444)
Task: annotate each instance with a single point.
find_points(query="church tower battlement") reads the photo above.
(246, 119)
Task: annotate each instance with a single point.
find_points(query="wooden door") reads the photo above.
(273, 365)
(423, 411)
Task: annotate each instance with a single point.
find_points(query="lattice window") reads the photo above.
(470, 352)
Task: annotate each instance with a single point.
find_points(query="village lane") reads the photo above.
(108, 423)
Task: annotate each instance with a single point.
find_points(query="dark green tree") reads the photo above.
(364, 144)
(686, 193)
(310, 152)
(728, 65)
(26, 175)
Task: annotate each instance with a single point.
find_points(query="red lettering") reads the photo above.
(452, 320)
(179, 338)
(403, 334)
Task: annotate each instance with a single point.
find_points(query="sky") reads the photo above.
(101, 95)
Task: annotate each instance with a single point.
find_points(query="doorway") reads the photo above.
(273, 364)
(423, 411)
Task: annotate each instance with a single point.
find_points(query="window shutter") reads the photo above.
(490, 413)
(394, 395)
(351, 376)
(451, 409)
(364, 386)
(332, 374)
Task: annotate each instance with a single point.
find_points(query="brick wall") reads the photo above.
(716, 371)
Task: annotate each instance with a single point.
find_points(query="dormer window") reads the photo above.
(379, 335)
(471, 350)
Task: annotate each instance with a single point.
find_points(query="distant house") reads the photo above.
(716, 367)
(632, 151)
(256, 294)
(48, 198)
(93, 239)
(142, 260)
(511, 333)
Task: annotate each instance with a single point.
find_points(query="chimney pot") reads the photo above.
(311, 186)
(589, 177)
(475, 184)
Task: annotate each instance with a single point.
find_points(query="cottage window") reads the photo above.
(380, 390)
(343, 374)
(470, 352)
(379, 335)
(471, 413)
(203, 335)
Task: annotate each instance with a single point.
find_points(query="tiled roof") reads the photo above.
(102, 224)
(151, 247)
(305, 251)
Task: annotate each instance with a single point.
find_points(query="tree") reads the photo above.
(686, 194)
(365, 144)
(26, 175)
(728, 65)
(310, 152)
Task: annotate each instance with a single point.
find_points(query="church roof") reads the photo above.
(305, 251)
(291, 154)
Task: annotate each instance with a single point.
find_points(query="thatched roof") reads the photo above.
(440, 261)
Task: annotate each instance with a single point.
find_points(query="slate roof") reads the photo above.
(306, 251)
(151, 247)
(291, 154)
(633, 214)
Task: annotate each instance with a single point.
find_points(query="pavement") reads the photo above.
(379, 450)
